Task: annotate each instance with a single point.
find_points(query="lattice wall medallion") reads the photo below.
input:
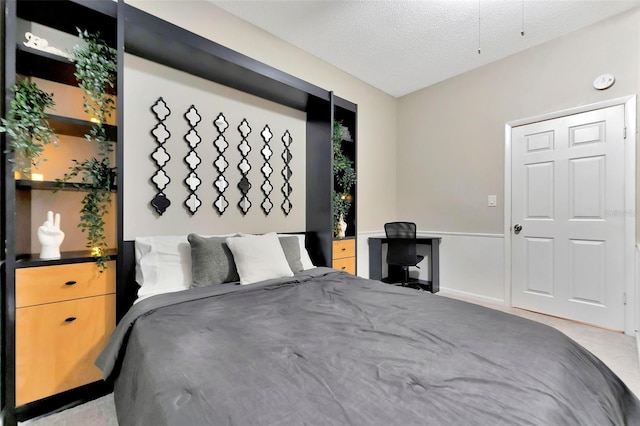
(192, 160)
(266, 187)
(286, 189)
(244, 185)
(221, 164)
(160, 156)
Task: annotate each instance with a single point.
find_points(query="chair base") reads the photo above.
(411, 283)
(400, 273)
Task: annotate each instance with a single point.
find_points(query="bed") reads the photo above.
(322, 347)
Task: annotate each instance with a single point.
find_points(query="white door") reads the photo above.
(568, 199)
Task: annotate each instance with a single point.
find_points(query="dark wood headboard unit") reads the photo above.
(154, 39)
(128, 292)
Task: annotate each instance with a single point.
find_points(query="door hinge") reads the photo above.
(624, 298)
(625, 133)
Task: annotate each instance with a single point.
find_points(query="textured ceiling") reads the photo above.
(402, 46)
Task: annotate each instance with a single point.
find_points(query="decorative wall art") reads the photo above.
(221, 164)
(266, 187)
(160, 156)
(244, 185)
(40, 43)
(286, 189)
(192, 160)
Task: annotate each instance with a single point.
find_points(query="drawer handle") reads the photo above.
(344, 249)
(70, 319)
(70, 283)
(344, 267)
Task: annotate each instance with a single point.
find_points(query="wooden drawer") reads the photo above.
(344, 248)
(347, 264)
(55, 353)
(47, 284)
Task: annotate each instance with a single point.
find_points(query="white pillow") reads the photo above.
(259, 258)
(304, 254)
(163, 264)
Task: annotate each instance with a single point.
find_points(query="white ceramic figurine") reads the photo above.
(50, 237)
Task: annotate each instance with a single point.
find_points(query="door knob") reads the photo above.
(517, 228)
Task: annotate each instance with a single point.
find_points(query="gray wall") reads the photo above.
(450, 144)
(145, 82)
(376, 110)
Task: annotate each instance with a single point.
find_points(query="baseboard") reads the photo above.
(62, 401)
(467, 295)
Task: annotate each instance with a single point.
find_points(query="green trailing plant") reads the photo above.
(27, 125)
(344, 177)
(96, 71)
(95, 64)
(97, 177)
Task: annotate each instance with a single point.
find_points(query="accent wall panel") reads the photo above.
(144, 83)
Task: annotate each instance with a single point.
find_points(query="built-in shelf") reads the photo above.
(48, 66)
(78, 128)
(53, 186)
(67, 16)
(348, 237)
(159, 41)
(345, 104)
(18, 197)
(66, 257)
(45, 65)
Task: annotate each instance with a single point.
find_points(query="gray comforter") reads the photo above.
(327, 348)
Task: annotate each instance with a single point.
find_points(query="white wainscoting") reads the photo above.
(471, 265)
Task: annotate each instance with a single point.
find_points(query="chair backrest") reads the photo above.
(401, 245)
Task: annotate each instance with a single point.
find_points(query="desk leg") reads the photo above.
(375, 259)
(435, 266)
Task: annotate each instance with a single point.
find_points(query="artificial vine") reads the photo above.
(27, 125)
(95, 65)
(344, 176)
(99, 175)
(96, 72)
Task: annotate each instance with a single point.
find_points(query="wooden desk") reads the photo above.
(395, 272)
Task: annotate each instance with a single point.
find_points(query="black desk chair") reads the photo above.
(402, 247)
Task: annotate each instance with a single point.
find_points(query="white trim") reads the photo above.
(458, 234)
(370, 233)
(631, 322)
(631, 285)
(624, 100)
(507, 214)
(435, 234)
(444, 291)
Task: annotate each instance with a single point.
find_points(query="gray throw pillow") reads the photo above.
(291, 248)
(211, 261)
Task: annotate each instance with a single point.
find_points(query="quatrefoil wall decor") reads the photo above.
(221, 164)
(286, 188)
(192, 160)
(266, 170)
(160, 156)
(244, 166)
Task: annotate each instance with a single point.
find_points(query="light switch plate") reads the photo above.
(491, 201)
